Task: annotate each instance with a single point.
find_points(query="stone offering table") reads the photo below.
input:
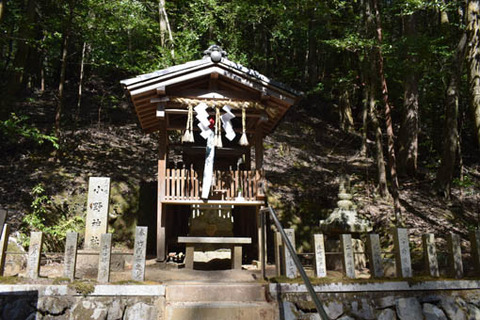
(235, 242)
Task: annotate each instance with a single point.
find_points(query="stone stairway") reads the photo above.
(219, 301)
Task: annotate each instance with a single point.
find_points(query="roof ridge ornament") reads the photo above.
(215, 52)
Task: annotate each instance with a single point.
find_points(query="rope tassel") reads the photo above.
(188, 136)
(243, 139)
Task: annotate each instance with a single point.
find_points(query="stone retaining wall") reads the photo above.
(384, 301)
(450, 300)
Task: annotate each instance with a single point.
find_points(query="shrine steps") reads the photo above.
(222, 301)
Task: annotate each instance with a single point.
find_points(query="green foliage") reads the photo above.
(16, 127)
(47, 218)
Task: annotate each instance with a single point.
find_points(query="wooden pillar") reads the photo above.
(162, 165)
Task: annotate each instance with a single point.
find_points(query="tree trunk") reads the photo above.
(388, 117)
(473, 61)
(450, 140)
(2, 9)
(164, 25)
(345, 110)
(379, 158)
(25, 33)
(80, 82)
(408, 136)
(63, 70)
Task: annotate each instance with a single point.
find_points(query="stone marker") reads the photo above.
(347, 255)
(3, 217)
(139, 252)
(97, 211)
(455, 255)
(3, 247)
(403, 261)
(320, 262)
(34, 253)
(290, 267)
(430, 254)
(104, 257)
(475, 244)
(277, 243)
(70, 259)
(374, 252)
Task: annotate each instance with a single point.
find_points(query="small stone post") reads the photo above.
(374, 252)
(104, 257)
(320, 262)
(277, 243)
(70, 259)
(430, 254)
(34, 253)
(455, 255)
(290, 268)
(3, 217)
(347, 255)
(3, 247)
(139, 252)
(475, 245)
(403, 261)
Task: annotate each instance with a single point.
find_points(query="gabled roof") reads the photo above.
(213, 77)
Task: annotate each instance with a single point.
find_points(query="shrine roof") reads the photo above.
(214, 77)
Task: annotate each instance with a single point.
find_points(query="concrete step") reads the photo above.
(212, 292)
(220, 311)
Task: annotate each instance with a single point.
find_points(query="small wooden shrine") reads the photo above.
(210, 184)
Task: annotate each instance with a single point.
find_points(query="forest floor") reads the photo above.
(304, 158)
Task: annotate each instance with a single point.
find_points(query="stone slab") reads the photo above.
(374, 252)
(139, 252)
(319, 250)
(455, 256)
(347, 255)
(97, 211)
(277, 243)
(403, 261)
(408, 309)
(3, 246)
(104, 257)
(215, 292)
(70, 259)
(215, 240)
(430, 254)
(100, 290)
(34, 254)
(289, 265)
(225, 310)
(388, 286)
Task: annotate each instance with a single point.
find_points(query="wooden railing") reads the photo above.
(186, 184)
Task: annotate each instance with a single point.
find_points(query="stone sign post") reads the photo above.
(70, 259)
(455, 255)
(3, 217)
(320, 262)
(430, 254)
(375, 255)
(139, 252)
(347, 255)
(97, 211)
(104, 257)
(475, 244)
(34, 253)
(277, 243)
(403, 261)
(3, 247)
(290, 268)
